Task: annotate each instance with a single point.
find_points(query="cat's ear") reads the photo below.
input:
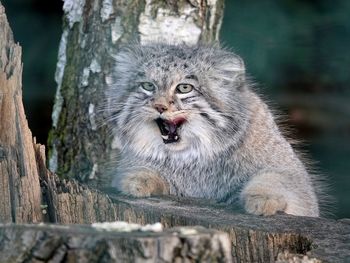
(127, 58)
(232, 67)
(231, 63)
(229, 68)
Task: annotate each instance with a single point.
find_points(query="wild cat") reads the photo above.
(189, 124)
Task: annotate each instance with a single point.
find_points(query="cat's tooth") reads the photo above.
(176, 137)
(165, 137)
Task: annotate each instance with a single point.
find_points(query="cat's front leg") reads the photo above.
(270, 192)
(261, 195)
(141, 183)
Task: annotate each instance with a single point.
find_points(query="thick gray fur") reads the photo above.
(230, 148)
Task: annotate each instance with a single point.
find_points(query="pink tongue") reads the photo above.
(173, 124)
(178, 121)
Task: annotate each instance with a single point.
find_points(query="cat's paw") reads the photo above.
(143, 184)
(266, 204)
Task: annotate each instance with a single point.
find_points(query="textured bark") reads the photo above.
(18, 169)
(49, 243)
(93, 30)
(253, 238)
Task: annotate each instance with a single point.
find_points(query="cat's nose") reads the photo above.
(160, 107)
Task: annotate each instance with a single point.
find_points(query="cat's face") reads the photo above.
(177, 100)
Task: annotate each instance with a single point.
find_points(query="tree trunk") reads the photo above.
(18, 168)
(93, 31)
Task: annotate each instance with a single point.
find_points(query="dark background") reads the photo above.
(297, 51)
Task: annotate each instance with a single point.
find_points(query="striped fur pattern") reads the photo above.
(230, 148)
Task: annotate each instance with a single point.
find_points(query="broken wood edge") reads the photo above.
(18, 170)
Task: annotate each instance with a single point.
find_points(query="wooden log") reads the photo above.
(57, 243)
(18, 169)
(253, 238)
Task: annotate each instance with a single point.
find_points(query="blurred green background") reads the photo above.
(296, 51)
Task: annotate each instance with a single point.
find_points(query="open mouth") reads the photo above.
(169, 128)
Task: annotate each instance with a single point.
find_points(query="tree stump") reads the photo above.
(18, 167)
(253, 238)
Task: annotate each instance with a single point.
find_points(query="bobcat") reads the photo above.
(188, 123)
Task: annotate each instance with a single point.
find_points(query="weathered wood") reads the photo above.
(54, 243)
(253, 238)
(287, 257)
(18, 169)
(92, 33)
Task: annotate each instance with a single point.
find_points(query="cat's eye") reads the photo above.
(148, 86)
(184, 88)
